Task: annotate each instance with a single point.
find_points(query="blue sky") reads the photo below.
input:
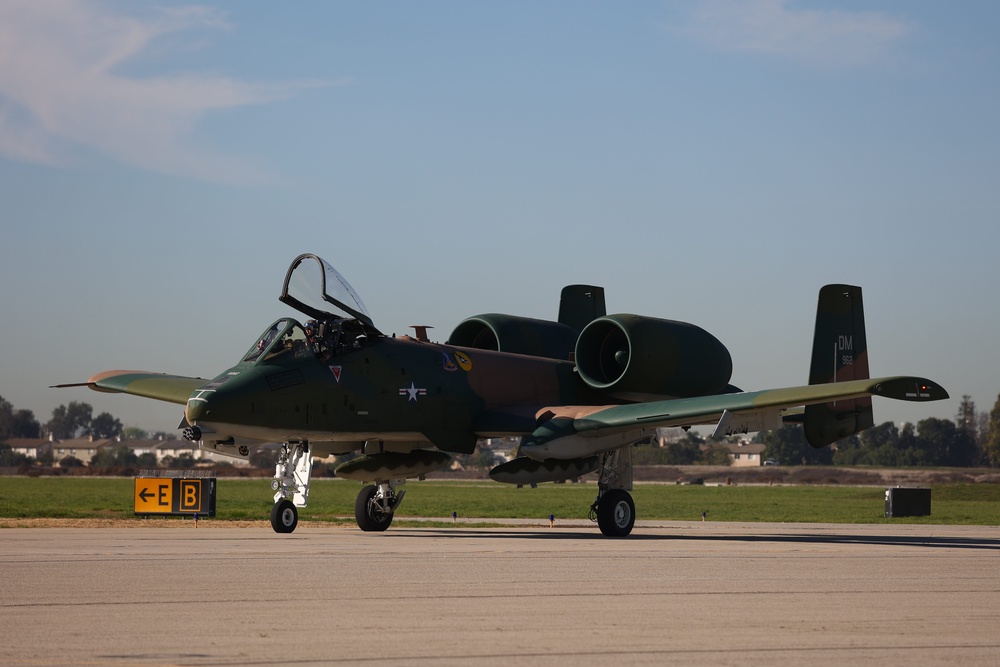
(707, 161)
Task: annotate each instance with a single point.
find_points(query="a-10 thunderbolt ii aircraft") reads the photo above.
(579, 392)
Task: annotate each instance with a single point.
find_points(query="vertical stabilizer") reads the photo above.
(579, 305)
(840, 353)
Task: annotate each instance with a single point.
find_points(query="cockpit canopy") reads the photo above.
(285, 339)
(317, 289)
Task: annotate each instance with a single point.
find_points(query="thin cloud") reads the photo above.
(824, 37)
(62, 90)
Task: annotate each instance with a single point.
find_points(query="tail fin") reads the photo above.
(579, 305)
(840, 353)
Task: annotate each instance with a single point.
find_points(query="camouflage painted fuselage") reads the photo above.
(401, 391)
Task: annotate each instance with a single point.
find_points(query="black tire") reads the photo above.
(284, 516)
(363, 506)
(616, 513)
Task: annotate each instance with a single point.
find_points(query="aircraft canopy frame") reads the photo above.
(311, 283)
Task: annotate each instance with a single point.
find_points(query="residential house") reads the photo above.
(30, 447)
(82, 449)
(745, 454)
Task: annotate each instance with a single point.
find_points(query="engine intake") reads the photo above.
(641, 358)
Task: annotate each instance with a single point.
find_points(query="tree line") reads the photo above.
(971, 439)
(68, 421)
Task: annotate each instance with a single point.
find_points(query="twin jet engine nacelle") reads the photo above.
(629, 357)
(638, 358)
(516, 335)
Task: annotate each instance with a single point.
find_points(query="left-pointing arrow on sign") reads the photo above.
(153, 495)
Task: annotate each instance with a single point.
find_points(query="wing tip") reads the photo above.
(911, 389)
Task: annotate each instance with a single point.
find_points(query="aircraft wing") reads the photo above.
(566, 436)
(159, 386)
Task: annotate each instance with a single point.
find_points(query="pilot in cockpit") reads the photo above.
(319, 336)
(312, 336)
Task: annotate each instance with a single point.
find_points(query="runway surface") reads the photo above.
(672, 593)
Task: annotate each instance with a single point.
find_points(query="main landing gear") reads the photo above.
(376, 504)
(613, 509)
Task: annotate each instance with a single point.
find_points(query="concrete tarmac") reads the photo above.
(672, 593)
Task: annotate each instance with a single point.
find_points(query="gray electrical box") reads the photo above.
(901, 501)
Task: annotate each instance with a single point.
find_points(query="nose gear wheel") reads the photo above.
(284, 516)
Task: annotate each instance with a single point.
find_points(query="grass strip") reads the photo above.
(332, 500)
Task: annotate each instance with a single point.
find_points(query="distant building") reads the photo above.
(745, 455)
(141, 447)
(31, 447)
(82, 449)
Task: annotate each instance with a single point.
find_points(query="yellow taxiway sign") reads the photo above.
(171, 495)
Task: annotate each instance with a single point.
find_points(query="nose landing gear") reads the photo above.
(291, 485)
(284, 516)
